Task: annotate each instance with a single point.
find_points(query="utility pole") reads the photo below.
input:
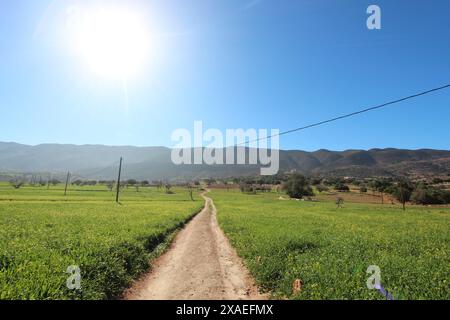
(67, 181)
(118, 181)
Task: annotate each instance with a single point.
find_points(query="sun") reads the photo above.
(113, 42)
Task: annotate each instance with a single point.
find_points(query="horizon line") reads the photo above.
(225, 147)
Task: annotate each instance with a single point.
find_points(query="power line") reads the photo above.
(349, 114)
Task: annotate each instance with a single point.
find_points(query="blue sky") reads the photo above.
(233, 64)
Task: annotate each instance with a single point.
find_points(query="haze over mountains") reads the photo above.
(154, 163)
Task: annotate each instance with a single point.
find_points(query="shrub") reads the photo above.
(403, 192)
(381, 185)
(54, 182)
(131, 182)
(16, 183)
(246, 187)
(322, 188)
(341, 187)
(426, 195)
(297, 186)
(78, 182)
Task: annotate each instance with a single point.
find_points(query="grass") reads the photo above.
(42, 233)
(330, 249)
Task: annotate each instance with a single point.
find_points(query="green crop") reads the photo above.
(330, 249)
(42, 233)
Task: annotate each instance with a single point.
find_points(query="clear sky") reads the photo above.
(231, 64)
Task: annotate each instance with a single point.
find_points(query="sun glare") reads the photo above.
(114, 43)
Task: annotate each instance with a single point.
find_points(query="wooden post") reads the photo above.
(118, 181)
(67, 181)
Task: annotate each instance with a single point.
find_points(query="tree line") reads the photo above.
(402, 189)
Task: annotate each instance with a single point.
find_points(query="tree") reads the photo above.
(339, 202)
(381, 185)
(403, 192)
(131, 182)
(210, 181)
(190, 191)
(341, 187)
(54, 182)
(110, 185)
(246, 187)
(363, 189)
(297, 186)
(428, 195)
(16, 183)
(322, 188)
(445, 196)
(78, 182)
(168, 186)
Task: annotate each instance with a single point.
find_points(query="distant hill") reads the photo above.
(152, 163)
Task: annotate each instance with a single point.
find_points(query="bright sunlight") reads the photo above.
(113, 42)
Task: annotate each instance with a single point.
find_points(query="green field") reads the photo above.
(329, 249)
(42, 232)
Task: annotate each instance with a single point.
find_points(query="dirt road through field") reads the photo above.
(200, 264)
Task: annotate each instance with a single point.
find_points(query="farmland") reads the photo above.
(330, 248)
(43, 232)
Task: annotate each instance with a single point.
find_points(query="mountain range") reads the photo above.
(154, 163)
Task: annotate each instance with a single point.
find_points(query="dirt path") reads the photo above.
(200, 264)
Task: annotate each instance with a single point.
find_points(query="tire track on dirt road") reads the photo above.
(200, 264)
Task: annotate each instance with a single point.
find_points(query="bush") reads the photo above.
(427, 195)
(54, 182)
(403, 192)
(322, 188)
(341, 187)
(445, 196)
(297, 186)
(131, 182)
(78, 182)
(363, 189)
(246, 187)
(16, 183)
(380, 185)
